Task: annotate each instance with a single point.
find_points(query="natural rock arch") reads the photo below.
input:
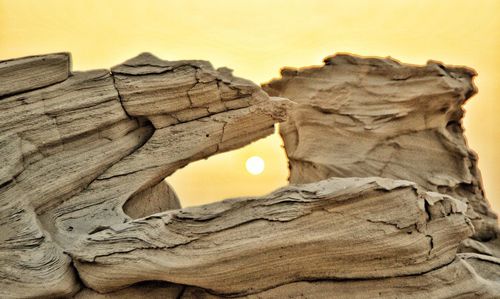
(78, 147)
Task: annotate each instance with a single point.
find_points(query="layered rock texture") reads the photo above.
(385, 201)
(378, 117)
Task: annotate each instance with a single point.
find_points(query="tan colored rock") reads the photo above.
(150, 290)
(57, 139)
(169, 92)
(152, 200)
(468, 276)
(23, 74)
(85, 211)
(404, 230)
(58, 143)
(100, 204)
(359, 117)
(31, 265)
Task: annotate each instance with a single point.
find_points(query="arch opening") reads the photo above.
(226, 175)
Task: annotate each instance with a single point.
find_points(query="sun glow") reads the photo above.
(255, 165)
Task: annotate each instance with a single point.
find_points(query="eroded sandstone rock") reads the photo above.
(359, 117)
(152, 200)
(73, 156)
(150, 290)
(33, 72)
(85, 211)
(170, 92)
(468, 276)
(320, 230)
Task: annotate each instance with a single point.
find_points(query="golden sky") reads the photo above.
(256, 38)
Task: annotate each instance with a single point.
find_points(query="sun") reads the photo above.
(255, 165)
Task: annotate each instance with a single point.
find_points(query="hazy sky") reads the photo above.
(257, 38)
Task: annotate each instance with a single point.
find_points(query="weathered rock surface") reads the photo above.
(171, 92)
(468, 276)
(33, 72)
(350, 216)
(85, 211)
(359, 117)
(150, 290)
(74, 161)
(152, 200)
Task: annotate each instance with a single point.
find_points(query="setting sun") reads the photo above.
(255, 165)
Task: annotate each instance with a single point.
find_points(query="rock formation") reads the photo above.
(392, 206)
(379, 117)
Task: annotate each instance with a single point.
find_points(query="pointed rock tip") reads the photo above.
(142, 58)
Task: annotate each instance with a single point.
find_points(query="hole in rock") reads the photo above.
(253, 170)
